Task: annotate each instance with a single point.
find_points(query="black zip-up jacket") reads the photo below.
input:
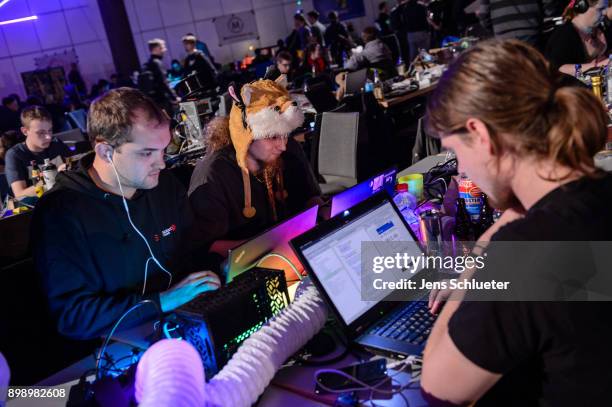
(91, 260)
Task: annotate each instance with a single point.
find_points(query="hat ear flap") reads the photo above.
(246, 93)
(232, 91)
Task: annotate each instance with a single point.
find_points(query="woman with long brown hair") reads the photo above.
(528, 143)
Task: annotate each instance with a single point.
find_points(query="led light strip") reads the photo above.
(18, 20)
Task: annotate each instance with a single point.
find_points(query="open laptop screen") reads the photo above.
(363, 190)
(274, 240)
(335, 258)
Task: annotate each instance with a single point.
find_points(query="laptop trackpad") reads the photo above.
(390, 345)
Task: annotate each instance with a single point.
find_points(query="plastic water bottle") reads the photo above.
(401, 67)
(49, 172)
(369, 86)
(406, 203)
(609, 81)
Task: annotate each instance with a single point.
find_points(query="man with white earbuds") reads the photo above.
(118, 230)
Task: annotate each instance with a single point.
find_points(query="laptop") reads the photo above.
(363, 190)
(321, 97)
(355, 81)
(273, 244)
(331, 254)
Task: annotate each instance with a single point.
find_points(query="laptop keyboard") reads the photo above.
(410, 324)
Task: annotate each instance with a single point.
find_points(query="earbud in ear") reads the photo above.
(109, 156)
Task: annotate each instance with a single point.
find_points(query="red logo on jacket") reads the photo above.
(165, 233)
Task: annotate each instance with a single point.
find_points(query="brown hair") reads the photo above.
(513, 89)
(284, 55)
(111, 115)
(217, 134)
(369, 34)
(34, 113)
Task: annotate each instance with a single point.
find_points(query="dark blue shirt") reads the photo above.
(19, 157)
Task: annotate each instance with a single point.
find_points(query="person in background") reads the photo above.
(282, 67)
(18, 99)
(8, 139)
(336, 37)
(37, 126)
(417, 27)
(383, 22)
(75, 78)
(94, 264)
(101, 87)
(375, 54)
(522, 21)
(399, 25)
(579, 40)
(298, 39)
(253, 175)
(197, 62)
(317, 28)
(114, 81)
(153, 80)
(315, 59)
(9, 114)
(280, 46)
(175, 72)
(529, 145)
(261, 62)
(201, 46)
(354, 38)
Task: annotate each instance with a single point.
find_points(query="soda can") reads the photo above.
(473, 197)
(430, 228)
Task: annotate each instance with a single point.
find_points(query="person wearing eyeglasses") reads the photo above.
(37, 126)
(282, 66)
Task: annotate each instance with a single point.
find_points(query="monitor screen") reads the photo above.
(335, 258)
(363, 191)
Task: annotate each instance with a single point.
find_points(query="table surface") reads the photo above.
(397, 100)
(292, 385)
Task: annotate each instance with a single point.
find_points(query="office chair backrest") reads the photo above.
(337, 149)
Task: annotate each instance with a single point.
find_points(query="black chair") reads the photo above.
(393, 43)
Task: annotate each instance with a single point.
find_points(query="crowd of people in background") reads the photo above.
(314, 48)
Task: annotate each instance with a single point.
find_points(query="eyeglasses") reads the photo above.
(44, 133)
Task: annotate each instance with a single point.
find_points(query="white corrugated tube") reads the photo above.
(170, 373)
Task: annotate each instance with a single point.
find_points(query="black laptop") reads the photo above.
(331, 253)
(355, 81)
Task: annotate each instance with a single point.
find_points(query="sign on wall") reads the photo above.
(346, 9)
(236, 27)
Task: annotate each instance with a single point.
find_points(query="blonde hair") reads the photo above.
(527, 113)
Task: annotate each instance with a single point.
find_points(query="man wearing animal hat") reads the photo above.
(253, 174)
